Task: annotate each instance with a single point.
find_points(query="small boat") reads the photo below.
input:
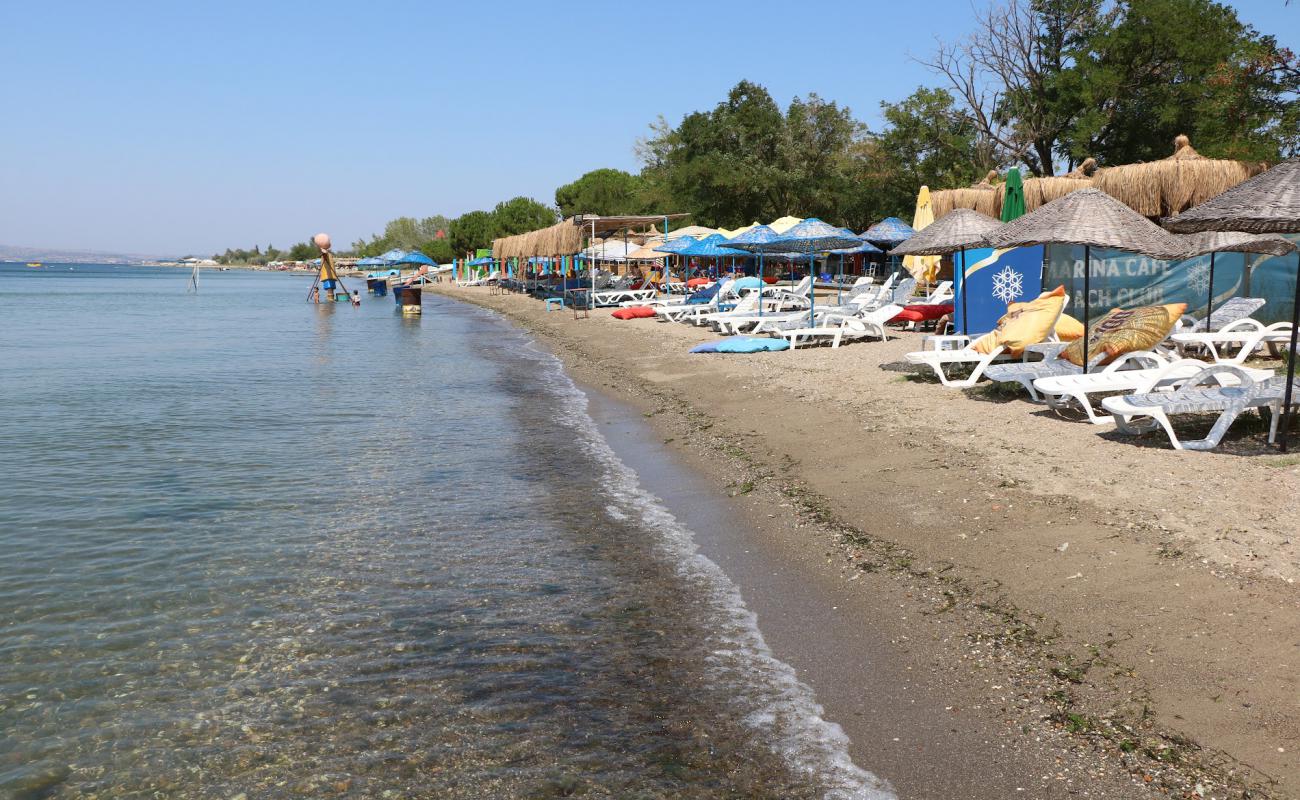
(35, 264)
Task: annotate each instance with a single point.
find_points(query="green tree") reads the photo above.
(928, 141)
(604, 192)
(520, 215)
(1167, 67)
(472, 231)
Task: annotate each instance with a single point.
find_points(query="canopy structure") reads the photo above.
(1266, 203)
(889, 232)
(370, 262)
(596, 225)
(647, 252)
(960, 230)
(610, 250)
(1174, 184)
(981, 197)
(1091, 218)
(676, 245)
(784, 224)
(392, 256)
(714, 246)
(416, 257)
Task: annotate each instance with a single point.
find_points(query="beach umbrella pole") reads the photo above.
(1087, 302)
(965, 319)
(1209, 301)
(1290, 358)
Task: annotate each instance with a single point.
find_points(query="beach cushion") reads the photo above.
(1024, 324)
(633, 312)
(1125, 330)
(1068, 328)
(741, 344)
(923, 312)
(693, 282)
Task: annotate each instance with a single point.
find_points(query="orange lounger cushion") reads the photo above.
(633, 312)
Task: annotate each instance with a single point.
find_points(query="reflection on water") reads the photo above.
(261, 546)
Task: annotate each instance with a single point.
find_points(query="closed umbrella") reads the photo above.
(1267, 203)
(957, 231)
(923, 268)
(1013, 199)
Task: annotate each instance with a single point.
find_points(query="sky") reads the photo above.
(176, 128)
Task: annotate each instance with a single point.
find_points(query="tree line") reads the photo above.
(1039, 84)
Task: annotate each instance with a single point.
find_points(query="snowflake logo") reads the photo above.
(1008, 284)
(1198, 278)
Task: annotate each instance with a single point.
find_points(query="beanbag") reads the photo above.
(633, 312)
(742, 344)
(751, 344)
(922, 312)
(1125, 330)
(1068, 328)
(1024, 324)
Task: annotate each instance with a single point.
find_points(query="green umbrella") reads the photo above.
(1013, 201)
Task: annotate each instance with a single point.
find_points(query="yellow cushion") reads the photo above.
(1024, 324)
(1068, 328)
(1124, 331)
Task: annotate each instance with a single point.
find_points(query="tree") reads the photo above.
(439, 250)
(520, 215)
(604, 192)
(472, 231)
(1167, 67)
(928, 141)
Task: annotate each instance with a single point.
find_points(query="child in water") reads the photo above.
(356, 298)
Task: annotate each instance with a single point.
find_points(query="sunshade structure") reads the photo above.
(923, 268)
(810, 236)
(481, 261)
(416, 257)
(755, 241)
(1215, 242)
(610, 250)
(715, 246)
(958, 231)
(981, 197)
(370, 262)
(1013, 196)
(889, 233)
(1267, 203)
(1090, 218)
(647, 251)
(1171, 185)
(392, 256)
(784, 224)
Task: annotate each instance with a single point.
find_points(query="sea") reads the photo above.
(255, 547)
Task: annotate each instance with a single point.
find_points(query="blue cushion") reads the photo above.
(707, 347)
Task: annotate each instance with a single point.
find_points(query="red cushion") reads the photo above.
(633, 312)
(693, 282)
(923, 312)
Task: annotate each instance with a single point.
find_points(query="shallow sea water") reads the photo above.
(259, 546)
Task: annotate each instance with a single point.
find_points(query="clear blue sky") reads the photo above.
(168, 128)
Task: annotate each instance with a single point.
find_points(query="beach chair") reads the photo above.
(864, 325)
(941, 294)
(703, 301)
(1051, 365)
(1144, 410)
(1231, 310)
(1062, 391)
(1245, 335)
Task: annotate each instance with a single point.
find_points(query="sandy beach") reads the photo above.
(1014, 596)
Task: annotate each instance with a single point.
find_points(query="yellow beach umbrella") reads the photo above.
(785, 223)
(737, 231)
(923, 268)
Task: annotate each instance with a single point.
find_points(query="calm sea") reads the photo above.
(254, 546)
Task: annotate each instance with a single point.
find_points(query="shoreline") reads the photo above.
(1070, 650)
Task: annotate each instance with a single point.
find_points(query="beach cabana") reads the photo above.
(957, 232)
(1089, 218)
(1266, 203)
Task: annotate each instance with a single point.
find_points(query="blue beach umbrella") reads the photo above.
(675, 247)
(755, 240)
(392, 256)
(810, 236)
(713, 246)
(889, 233)
(416, 257)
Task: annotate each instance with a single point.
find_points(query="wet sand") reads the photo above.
(1022, 603)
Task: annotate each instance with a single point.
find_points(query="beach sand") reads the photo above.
(1015, 598)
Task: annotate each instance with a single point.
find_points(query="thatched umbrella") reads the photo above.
(1174, 184)
(1090, 218)
(1215, 242)
(1267, 203)
(957, 231)
(983, 197)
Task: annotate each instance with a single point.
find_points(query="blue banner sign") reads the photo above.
(995, 278)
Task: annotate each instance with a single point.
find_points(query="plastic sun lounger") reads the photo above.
(1245, 334)
(1025, 373)
(1063, 390)
(1196, 397)
(1232, 309)
(613, 297)
(870, 324)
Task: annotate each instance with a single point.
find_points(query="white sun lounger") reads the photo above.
(868, 324)
(1061, 391)
(1246, 335)
(1025, 373)
(614, 297)
(1143, 411)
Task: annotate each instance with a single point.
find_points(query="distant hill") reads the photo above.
(56, 255)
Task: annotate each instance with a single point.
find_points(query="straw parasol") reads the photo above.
(923, 268)
(982, 197)
(1090, 218)
(1173, 184)
(958, 231)
(1215, 242)
(1266, 203)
